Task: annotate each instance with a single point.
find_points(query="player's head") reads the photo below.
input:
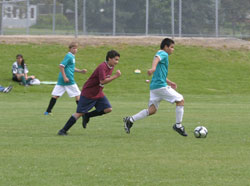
(20, 60)
(112, 57)
(73, 47)
(167, 45)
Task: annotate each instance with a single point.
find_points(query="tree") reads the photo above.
(235, 13)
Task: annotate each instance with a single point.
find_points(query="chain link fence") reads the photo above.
(176, 18)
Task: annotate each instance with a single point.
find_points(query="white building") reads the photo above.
(15, 16)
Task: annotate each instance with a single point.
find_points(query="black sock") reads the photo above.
(95, 113)
(77, 102)
(51, 104)
(69, 123)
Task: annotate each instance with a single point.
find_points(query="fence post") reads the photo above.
(2, 14)
(147, 5)
(28, 18)
(180, 18)
(216, 19)
(114, 17)
(76, 19)
(54, 16)
(84, 17)
(172, 17)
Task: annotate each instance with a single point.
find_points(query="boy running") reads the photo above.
(66, 80)
(92, 93)
(161, 88)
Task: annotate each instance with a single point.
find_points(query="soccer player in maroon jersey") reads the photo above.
(92, 94)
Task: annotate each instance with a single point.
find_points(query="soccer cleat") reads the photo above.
(85, 120)
(48, 113)
(62, 133)
(180, 130)
(127, 124)
(8, 89)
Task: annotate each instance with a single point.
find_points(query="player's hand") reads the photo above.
(150, 72)
(173, 85)
(66, 80)
(83, 71)
(118, 73)
(33, 77)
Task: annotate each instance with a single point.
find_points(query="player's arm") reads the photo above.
(111, 78)
(172, 84)
(66, 80)
(83, 71)
(26, 75)
(14, 69)
(154, 65)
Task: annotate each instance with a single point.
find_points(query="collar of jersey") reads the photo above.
(108, 65)
(71, 54)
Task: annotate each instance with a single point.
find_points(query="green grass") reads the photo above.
(213, 82)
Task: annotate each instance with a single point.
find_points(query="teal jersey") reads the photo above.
(159, 78)
(69, 67)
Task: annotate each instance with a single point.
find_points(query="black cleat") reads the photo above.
(127, 124)
(180, 130)
(62, 133)
(85, 120)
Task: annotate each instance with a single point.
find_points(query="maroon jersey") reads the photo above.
(92, 89)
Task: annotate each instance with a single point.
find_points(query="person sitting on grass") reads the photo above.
(20, 71)
(5, 89)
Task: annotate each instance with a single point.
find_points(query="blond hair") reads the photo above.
(73, 44)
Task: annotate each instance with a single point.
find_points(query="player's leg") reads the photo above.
(77, 99)
(178, 127)
(83, 106)
(57, 92)
(152, 108)
(102, 106)
(21, 78)
(72, 120)
(73, 91)
(173, 96)
(179, 112)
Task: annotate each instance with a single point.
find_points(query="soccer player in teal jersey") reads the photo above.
(161, 88)
(66, 81)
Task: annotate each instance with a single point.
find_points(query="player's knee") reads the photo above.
(180, 103)
(151, 111)
(107, 110)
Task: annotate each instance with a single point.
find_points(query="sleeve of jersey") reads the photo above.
(26, 69)
(14, 69)
(65, 61)
(101, 73)
(162, 56)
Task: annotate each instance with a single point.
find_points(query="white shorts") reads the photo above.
(72, 90)
(164, 93)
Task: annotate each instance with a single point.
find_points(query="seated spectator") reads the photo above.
(20, 71)
(5, 89)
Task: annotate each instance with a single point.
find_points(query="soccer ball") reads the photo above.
(200, 132)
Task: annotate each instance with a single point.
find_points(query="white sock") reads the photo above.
(142, 114)
(179, 115)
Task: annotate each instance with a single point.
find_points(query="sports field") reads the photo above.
(215, 85)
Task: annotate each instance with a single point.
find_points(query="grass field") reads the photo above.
(215, 84)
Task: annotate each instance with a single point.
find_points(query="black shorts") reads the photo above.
(14, 78)
(85, 104)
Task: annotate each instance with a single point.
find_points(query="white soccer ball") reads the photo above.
(200, 132)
